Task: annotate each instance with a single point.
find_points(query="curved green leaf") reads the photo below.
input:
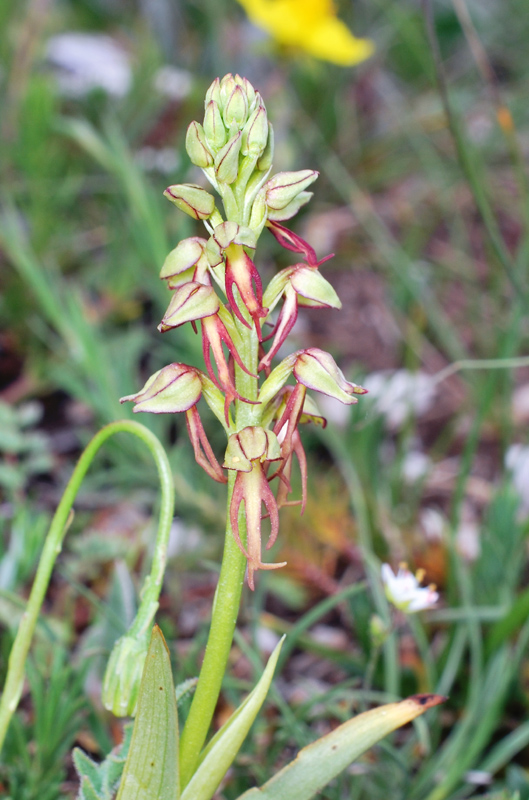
(320, 762)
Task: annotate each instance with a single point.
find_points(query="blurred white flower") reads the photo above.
(397, 395)
(158, 159)
(183, 539)
(467, 538)
(433, 524)
(173, 83)
(403, 590)
(86, 61)
(415, 466)
(517, 461)
(335, 412)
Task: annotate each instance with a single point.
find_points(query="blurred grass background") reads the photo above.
(423, 197)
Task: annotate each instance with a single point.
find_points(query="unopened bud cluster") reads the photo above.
(215, 283)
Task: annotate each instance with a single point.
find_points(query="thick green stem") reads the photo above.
(229, 589)
(53, 544)
(223, 620)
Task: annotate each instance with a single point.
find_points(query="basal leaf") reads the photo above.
(151, 769)
(320, 762)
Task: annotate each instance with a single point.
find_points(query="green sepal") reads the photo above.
(227, 160)
(217, 757)
(277, 379)
(151, 770)
(320, 762)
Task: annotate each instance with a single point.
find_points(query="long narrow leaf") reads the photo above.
(151, 770)
(218, 756)
(320, 762)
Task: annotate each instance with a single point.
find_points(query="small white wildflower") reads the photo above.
(403, 590)
(397, 395)
(86, 61)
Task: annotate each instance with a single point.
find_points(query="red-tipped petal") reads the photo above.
(291, 241)
(271, 506)
(286, 321)
(236, 500)
(302, 461)
(204, 454)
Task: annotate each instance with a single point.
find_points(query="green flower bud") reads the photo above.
(213, 93)
(231, 233)
(227, 160)
(172, 389)
(236, 109)
(216, 133)
(259, 213)
(251, 444)
(190, 302)
(225, 234)
(265, 161)
(187, 262)
(249, 91)
(192, 199)
(226, 86)
(291, 209)
(285, 186)
(312, 288)
(121, 683)
(196, 146)
(318, 370)
(255, 133)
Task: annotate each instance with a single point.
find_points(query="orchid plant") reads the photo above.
(216, 285)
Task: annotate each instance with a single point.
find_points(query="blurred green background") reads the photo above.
(423, 197)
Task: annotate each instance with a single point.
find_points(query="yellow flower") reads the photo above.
(311, 25)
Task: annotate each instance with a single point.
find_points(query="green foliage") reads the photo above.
(100, 781)
(33, 759)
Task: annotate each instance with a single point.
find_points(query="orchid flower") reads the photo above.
(174, 389)
(248, 453)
